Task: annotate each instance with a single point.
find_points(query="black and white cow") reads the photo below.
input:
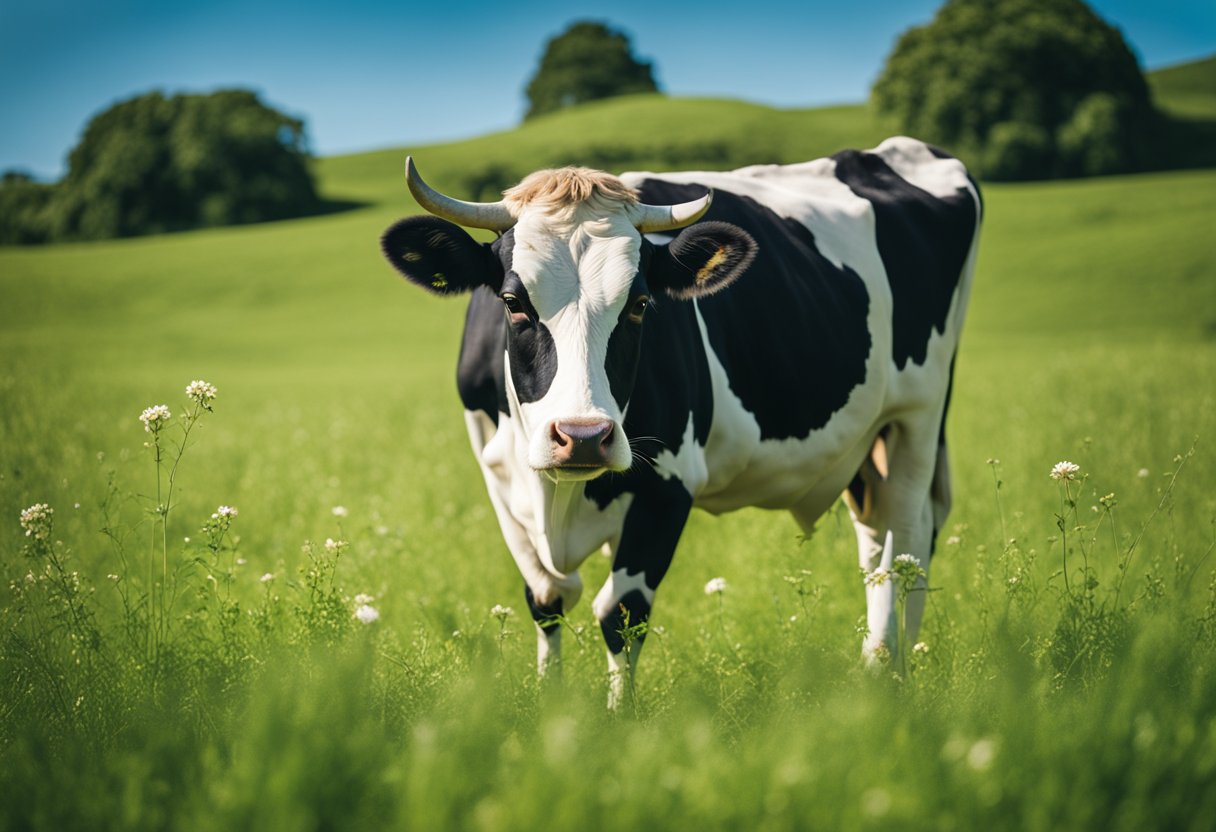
(794, 342)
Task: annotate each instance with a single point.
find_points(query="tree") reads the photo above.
(586, 62)
(155, 163)
(1022, 88)
(23, 209)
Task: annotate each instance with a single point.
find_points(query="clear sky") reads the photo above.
(376, 73)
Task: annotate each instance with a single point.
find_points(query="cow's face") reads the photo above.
(575, 281)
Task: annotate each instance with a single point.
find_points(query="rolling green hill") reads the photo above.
(1187, 90)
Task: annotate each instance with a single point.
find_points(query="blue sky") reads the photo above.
(366, 74)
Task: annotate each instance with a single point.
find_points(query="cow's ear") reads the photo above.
(704, 259)
(439, 256)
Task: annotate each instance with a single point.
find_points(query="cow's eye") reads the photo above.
(638, 308)
(515, 308)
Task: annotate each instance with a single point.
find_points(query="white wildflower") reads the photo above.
(908, 570)
(367, 614)
(920, 647)
(112, 577)
(1065, 470)
(340, 511)
(715, 586)
(981, 755)
(500, 612)
(227, 511)
(335, 547)
(363, 599)
(267, 578)
(37, 521)
(953, 540)
(878, 577)
(154, 417)
(1143, 473)
(201, 392)
(875, 802)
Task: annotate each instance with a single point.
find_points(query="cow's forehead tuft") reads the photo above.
(558, 262)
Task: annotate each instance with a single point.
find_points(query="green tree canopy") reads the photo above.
(586, 62)
(1021, 88)
(155, 163)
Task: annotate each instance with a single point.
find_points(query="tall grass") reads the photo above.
(1068, 689)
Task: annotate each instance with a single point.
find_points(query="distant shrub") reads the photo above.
(1096, 140)
(24, 206)
(980, 66)
(1017, 151)
(155, 163)
(586, 62)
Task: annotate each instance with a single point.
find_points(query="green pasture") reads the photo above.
(1041, 703)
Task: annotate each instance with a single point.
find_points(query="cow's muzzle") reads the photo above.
(581, 443)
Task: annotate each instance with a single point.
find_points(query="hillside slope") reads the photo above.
(1186, 90)
(631, 132)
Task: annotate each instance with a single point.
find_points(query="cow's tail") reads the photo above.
(940, 491)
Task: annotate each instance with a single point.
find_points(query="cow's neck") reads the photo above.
(556, 507)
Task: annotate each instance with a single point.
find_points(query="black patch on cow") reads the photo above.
(625, 346)
(651, 530)
(672, 381)
(548, 617)
(792, 332)
(857, 488)
(923, 240)
(480, 376)
(633, 609)
(439, 256)
(529, 342)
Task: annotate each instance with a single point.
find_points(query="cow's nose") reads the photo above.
(581, 443)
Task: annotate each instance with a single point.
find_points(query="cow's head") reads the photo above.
(575, 276)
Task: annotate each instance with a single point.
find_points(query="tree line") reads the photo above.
(1020, 89)
(158, 163)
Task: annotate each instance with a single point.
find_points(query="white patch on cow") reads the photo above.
(619, 666)
(880, 599)
(687, 464)
(548, 651)
(619, 584)
(915, 163)
(578, 272)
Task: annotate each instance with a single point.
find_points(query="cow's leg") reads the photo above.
(652, 529)
(548, 634)
(546, 593)
(892, 508)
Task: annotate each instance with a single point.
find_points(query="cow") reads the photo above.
(776, 336)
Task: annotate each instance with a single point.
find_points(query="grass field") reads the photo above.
(191, 694)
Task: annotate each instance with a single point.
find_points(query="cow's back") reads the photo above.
(858, 271)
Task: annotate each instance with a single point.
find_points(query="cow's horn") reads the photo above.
(651, 218)
(491, 215)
